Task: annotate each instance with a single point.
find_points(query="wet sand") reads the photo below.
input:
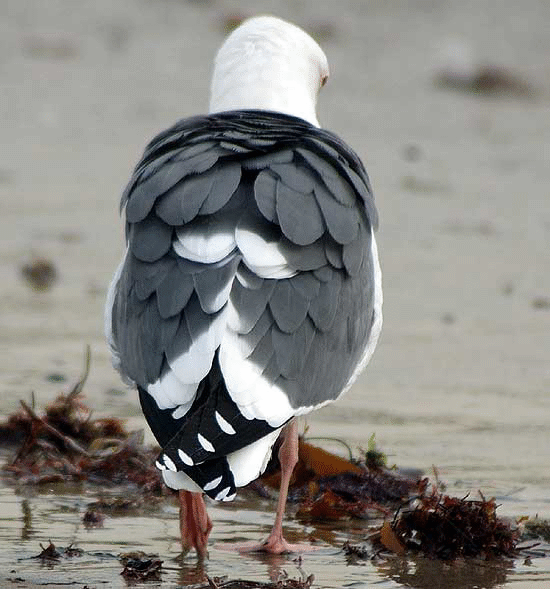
(461, 376)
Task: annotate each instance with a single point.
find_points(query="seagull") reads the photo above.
(250, 289)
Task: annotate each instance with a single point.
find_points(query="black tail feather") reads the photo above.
(198, 442)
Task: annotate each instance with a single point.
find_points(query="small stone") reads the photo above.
(40, 274)
(541, 303)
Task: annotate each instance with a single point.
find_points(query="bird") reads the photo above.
(249, 292)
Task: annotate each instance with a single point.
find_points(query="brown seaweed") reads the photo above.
(329, 487)
(448, 528)
(65, 443)
(139, 566)
(51, 553)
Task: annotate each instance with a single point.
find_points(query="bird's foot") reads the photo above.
(195, 524)
(273, 544)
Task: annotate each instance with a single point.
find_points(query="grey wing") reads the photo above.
(266, 257)
(304, 314)
(169, 297)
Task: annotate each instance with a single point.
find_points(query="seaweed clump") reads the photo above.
(537, 528)
(139, 566)
(447, 528)
(51, 553)
(66, 444)
(329, 487)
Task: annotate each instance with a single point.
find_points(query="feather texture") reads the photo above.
(248, 293)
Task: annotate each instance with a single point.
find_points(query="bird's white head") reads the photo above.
(269, 64)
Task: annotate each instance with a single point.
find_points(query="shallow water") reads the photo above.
(30, 518)
(461, 376)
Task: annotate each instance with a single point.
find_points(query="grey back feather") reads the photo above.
(295, 186)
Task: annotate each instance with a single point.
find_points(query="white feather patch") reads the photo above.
(270, 404)
(179, 480)
(108, 316)
(192, 366)
(248, 463)
(256, 397)
(240, 375)
(376, 327)
(201, 241)
(169, 392)
(263, 257)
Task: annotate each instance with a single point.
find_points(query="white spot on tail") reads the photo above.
(225, 426)
(212, 484)
(169, 463)
(222, 494)
(159, 465)
(205, 443)
(185, 458)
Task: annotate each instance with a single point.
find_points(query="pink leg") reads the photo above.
(275, 542)
(288, 457)
(195, 524)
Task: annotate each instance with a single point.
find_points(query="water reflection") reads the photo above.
(190, 573)
(230, 564)
(26, 531)
(425, 573)
(273, 566)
